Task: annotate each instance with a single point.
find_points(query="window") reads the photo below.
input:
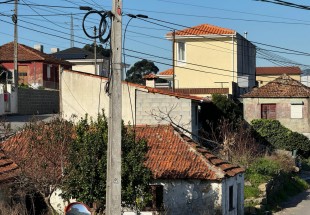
(296, 110)
(231, 198)
(157, 201)
(181, 52)
(268, 111)
(48, 73)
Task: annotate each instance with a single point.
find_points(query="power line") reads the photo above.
(4, 2)
(286, 3)
(48, 6)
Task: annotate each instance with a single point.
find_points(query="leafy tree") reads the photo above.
(85, 176)
(139, 69)
(104, 52)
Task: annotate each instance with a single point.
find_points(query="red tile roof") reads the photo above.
(282, 87)
(8, 169)
(150, 76)
(289, 70)
(167, 72)
(203, 90)
(173, 156)
(203, 29)
(26, 53)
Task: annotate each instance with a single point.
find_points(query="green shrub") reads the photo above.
(272, 132)
(250, 191)
(264, 166)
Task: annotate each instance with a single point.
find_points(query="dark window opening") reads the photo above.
(231, 197)
(157, 201)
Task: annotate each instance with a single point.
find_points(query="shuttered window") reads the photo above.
(268, 111)
(296, 111)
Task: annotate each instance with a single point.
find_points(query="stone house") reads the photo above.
(187, 178)
(284, 99)
(267, 74)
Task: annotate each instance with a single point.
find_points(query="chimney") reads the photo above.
(54, 50)
(38, 47)
(245, 34)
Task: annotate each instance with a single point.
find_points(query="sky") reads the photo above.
(283, 31)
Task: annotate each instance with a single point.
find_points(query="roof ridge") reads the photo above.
(29, 49)
(218, 171)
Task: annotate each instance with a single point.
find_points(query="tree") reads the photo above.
(85, 175)
(139, 69)
(104, 52)
(40, 151)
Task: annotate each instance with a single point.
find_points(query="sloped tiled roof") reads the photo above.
(203, 29)
(26, 53)
(173, 156)
(289, 70)
(150, 76)
(167, 72)
(8, 169)
(75, 53)
(282, 87)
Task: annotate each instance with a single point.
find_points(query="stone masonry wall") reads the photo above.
(32, 101)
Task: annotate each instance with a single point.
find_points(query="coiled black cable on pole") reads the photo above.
(104, 28)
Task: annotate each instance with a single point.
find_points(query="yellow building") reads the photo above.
(266, 74)
(212, 59)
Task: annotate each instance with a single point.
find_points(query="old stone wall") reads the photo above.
(31, 101)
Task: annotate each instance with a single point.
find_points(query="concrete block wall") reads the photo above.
(148, 105)
(31, 101)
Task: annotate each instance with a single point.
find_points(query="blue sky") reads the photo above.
(265, 23)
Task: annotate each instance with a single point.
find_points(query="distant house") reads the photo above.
(84, 61)
(35, 68)
(187, 178)
(305, 77)
(266, 74)
(209, 57)
(284, 99)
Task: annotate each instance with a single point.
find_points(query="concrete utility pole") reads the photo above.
(113, 194)
(15, 74)
(95, 51)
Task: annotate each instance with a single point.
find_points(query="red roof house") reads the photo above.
(34, 67)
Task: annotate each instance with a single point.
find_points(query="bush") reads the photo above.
(281, 137)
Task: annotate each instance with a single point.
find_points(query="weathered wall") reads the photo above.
(252, 110)
(32, 101)
(238, 195)
(84, 93)
(9, 106)
(151, 108)
(193, 197)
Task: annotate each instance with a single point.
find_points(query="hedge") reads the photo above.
(281, 137)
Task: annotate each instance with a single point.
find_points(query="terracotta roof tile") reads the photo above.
(8, 169)
(26, 53)
(171, 157)
(167, 72)
(282, 87)
(150, 76)
(292, 70)
(203, 90)
(203, 29)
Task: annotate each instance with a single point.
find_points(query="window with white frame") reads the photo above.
(181, 52)
(296, 110)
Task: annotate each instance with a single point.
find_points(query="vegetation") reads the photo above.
(139, 69)
(85, 175)
(99, 48)
(280, 137)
